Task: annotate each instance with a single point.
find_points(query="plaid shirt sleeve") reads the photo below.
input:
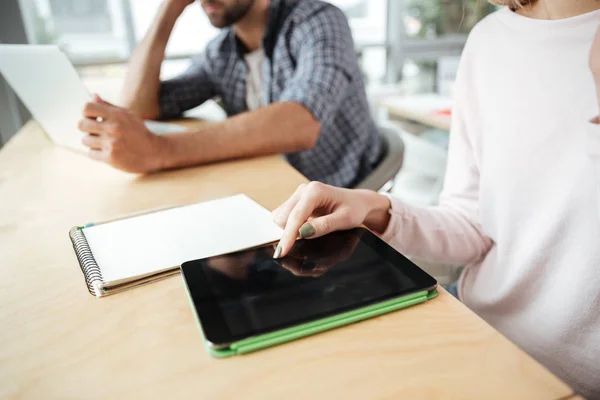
(323, 47)
(188, 90)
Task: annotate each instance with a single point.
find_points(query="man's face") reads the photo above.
(223, 13)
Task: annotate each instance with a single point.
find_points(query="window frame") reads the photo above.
(400, 48)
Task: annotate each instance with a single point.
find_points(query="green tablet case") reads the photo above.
(310, 328)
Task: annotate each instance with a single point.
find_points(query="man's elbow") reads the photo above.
(146, 110)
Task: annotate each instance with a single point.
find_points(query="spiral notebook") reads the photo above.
(121, 254)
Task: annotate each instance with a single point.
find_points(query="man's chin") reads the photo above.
(218, 22)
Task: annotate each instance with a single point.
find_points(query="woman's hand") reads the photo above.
(331, 209)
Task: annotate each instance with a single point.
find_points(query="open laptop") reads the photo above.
(47, 83)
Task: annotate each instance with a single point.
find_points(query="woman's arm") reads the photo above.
(450, 232)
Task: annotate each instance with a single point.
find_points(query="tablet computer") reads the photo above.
(247, 300)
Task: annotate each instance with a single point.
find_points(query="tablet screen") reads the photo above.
(249, 293)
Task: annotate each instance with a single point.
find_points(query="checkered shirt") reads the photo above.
(310, 59)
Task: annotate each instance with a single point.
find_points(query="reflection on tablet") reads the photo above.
(252, 293)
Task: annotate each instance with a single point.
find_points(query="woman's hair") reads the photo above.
(513, 4)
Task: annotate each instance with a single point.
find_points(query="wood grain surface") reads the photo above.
(58, 342)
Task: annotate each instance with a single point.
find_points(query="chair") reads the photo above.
(381, 179)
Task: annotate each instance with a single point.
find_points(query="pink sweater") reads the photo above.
(521, 202)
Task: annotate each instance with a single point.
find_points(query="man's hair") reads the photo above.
(512, 4)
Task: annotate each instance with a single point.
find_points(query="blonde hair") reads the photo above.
(513, 4)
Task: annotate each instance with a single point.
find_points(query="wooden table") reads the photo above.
(56, 341)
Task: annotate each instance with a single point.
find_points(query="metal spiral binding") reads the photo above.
(89, 267)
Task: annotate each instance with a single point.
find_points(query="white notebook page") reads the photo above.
(146, 244)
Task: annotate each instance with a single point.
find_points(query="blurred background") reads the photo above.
(396, 39)
(408, 50)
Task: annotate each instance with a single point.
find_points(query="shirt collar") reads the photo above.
(274, 22)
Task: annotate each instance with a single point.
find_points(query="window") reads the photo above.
(430, 19)
(106, 31)
(95, 32)
(429, 39)
(367, 20)
(89, 31)
(192, 32)
(419, 32)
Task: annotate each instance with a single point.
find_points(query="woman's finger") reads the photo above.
(340, 219)
(297, 217)
(281, 213)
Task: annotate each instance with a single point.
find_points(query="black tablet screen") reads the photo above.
(249, 293)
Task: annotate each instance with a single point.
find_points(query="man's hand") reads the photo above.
(119, 138)
(181, 3)
(595, 67)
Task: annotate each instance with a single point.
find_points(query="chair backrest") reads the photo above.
(390, 163)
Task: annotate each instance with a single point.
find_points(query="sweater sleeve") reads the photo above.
(593, 138)
(450, 232)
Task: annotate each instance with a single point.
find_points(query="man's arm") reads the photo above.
(308, 103)
(122, 140)
(326, 64)
(140, 92)
(278, 128)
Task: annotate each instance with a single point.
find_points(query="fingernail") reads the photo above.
(307, 230)
(277, 251)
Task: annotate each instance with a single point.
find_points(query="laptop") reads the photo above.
(47, 83)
